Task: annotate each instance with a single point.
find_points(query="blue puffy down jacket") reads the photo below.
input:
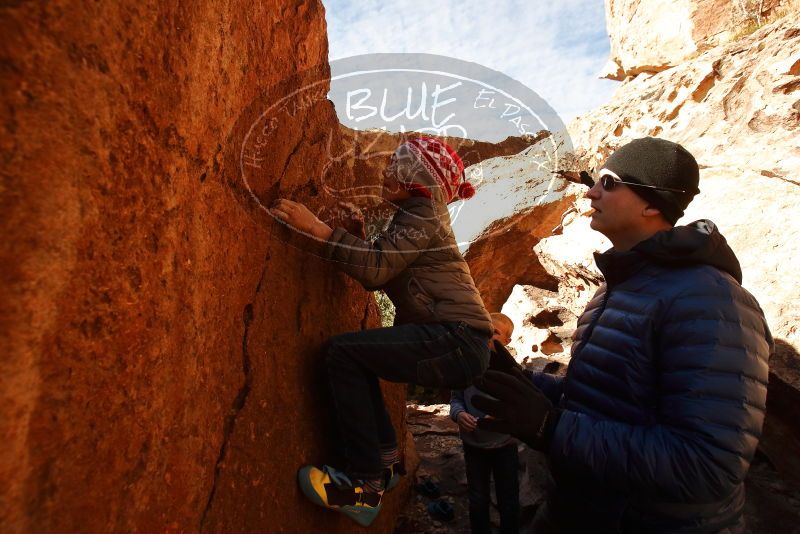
(665, 394)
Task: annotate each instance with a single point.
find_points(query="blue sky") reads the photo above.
(555, 48)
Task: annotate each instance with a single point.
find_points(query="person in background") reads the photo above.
(489, 454)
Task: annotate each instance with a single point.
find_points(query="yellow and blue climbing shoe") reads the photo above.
(332, 489)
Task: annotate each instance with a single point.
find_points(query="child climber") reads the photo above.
(487, 453)
(441, 330)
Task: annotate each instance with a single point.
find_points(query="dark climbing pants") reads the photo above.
(445, 355)
(501, 463)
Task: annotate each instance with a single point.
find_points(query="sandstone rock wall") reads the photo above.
(653, 35)
(159, 333)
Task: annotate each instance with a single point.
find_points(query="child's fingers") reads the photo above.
(282, 215)
(280, 206)
(290, 210)
(286, 205)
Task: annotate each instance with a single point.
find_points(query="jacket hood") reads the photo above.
(698, 243)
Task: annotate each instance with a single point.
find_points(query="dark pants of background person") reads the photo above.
(448, 355)
(501, 463)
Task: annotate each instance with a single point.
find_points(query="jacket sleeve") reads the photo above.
(713, 353)
(552, 386)
(457, 404)
(375, 263)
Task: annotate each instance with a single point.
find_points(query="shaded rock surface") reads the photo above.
(781, 429)
(160, 333)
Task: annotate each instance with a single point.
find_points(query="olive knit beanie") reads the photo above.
(660, 163)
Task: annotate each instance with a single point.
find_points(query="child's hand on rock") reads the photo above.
(298, 216)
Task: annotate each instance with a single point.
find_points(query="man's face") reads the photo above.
(617, 212)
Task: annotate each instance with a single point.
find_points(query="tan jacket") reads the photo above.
(417, 262)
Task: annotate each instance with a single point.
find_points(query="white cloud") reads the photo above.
(555, 48)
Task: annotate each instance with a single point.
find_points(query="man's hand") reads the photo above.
(466, 422)
(518, 408)
(300, 217)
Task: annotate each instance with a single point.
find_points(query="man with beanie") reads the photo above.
(656, 422)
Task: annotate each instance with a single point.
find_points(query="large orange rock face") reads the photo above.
(160, 333)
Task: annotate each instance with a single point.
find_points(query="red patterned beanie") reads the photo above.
(442, 164)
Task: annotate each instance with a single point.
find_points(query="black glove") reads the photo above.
(518, 408)
(502, 360)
